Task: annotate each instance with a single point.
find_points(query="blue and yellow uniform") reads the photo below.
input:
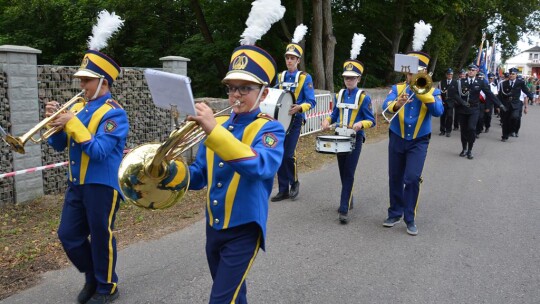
(301, 85)
(95, 138)
(237, 164)
(409, 138)
(347, 118)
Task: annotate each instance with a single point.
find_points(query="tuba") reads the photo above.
(420, 84)
(17, 143)
(155, 176)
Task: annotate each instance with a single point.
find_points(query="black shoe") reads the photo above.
(442, 133)
(469, 155)
(343, 218)
(86, 293)
(463, 153)
(295, 188)
(504, 139)
(280, 196)
(487, 130)
(99, 298)
(447, 134)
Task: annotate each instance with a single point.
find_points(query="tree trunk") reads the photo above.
(329, 47)
(435, 53)
(205, 31)
(300, 20)
(398, 33)
(316, 46)
(468, 41)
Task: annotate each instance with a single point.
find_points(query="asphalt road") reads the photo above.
(478, 240)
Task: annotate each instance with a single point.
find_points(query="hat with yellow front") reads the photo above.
(96, 64)
(353, 67)
(251, 63)
(421, 32)
(294, 47)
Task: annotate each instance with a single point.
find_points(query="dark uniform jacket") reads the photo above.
(448, 92)
(469, 94)
(510, 94)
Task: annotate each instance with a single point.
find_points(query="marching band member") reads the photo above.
(95, 137)
(237, 163)
(409, 138)
(352, 110)
(301, 85)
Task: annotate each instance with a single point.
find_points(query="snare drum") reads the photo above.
(277, 105)
(335, 144)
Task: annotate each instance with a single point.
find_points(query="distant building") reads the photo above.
(527, 62)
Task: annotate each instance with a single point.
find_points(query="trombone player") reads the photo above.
(408, 143)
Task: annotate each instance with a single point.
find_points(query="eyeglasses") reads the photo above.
(243, 90)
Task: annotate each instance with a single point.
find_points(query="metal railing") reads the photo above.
(315, 116)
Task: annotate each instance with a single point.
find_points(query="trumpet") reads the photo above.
(420, 84)
(17, 143)
(155, 176)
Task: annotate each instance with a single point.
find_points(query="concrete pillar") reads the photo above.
(20, 65)
(175, 64)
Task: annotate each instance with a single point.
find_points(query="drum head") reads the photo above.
(277, 104)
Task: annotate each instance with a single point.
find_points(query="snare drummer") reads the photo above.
(301, 85)
(358, 117)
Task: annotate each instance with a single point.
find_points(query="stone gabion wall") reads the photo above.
(6, 157)
(147, 122)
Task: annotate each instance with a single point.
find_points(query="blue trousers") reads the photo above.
(405, 164)
(347, 166)
(230, 254)
(287, 172)
(90, 210)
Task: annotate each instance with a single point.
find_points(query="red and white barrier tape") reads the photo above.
(10, 174)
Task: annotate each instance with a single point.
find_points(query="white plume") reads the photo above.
(299, 33)
(107, 24)
(421, 33)
(357, 41)
(261, 17)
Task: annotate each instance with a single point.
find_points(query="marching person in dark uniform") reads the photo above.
(94, 132)
(301, 85)
(462, 75)
(237, 163)
(447, 117)
(469, 102)
(510, 92)
(352, 110)
(481, 107)
(488, 112)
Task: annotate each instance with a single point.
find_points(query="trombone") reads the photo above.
(420, 84)
(17, 143)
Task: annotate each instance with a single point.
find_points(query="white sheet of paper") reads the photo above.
(170, 89)
(405, 63)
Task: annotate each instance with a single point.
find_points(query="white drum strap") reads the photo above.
(345, 107)
(288, 85)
